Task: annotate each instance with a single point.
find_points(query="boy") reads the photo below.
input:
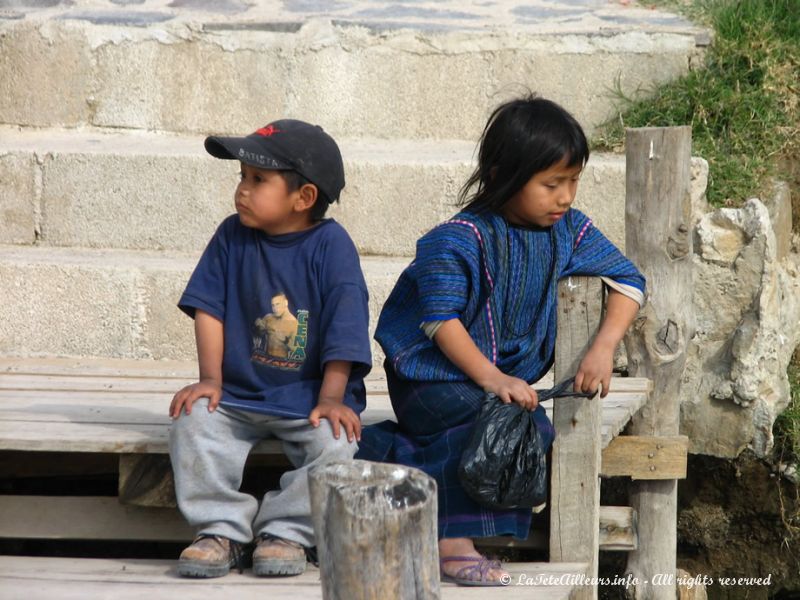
(280, 309)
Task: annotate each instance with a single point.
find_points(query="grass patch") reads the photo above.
(786, 432)
(744, 106)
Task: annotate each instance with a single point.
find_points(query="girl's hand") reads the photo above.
(512, 389)
(339, 415)
(595, 370)
(186, 397)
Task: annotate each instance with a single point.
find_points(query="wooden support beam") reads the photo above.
(146, 480)
(658, 240)
(575, 478)
(653, 458)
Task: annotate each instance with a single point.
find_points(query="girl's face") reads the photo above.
(545, 198)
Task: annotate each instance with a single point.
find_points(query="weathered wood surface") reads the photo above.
(576, 455)
(618, 529)
(104, 518)
(34, 578)
(146, 480)
(88, 518)
(119, 411)
(376, 531)
(659, 241)
(617, 533)
(651, 458)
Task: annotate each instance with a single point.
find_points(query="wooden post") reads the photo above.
(376, 530)
(658, 240)
(576, 456)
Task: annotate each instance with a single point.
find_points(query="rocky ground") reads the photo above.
(736, 519)
(739, 519)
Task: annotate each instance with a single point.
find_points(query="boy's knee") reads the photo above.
(192, 423)
(330, 448)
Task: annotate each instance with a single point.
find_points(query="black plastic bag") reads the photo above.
(504, 464)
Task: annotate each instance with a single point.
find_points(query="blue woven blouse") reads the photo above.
(501, 281)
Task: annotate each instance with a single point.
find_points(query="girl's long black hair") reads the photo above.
(522, 137)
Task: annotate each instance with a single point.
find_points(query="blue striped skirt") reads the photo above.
(434, 422)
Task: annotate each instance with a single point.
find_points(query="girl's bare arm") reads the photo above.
(595, 368)
(456, 344)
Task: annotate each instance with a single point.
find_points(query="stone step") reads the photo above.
(134, 69)
(147, 191)
(117, 303)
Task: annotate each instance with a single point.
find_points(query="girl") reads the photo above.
(475, 312)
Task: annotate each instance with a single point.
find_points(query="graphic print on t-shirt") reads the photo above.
(280, 337)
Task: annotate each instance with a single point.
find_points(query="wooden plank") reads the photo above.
(98, 407)
(27, 404)
(76, 383)
(115, 370)
(617, 533)
(42, 436)
(658, 239)
(575, 482)
(88, 517)
(46, 578)
(81, 437)
(105, 518)
(123, 437)
(83, 383)
(618, 529)
(100, 366)
(87, 383)
(136, 422)
(651, 458)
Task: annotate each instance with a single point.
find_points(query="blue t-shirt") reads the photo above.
(289, 304)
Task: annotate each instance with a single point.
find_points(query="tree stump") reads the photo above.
(376, 531)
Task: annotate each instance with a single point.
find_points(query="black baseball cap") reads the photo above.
(288, 145)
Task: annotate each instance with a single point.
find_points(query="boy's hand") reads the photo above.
(512, 389)
(337, 413)
(186, 397)
(595, 370)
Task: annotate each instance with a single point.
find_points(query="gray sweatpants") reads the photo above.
(208, 453)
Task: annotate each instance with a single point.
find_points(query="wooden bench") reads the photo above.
(119, 407)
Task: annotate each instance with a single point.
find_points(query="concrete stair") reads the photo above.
(203, 74)
(117, 303)
(107, 196)
(144, 191)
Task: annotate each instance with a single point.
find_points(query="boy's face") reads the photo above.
(545, 198)
(264, 202)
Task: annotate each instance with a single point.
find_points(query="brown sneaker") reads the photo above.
(277, 556)
(210, 556)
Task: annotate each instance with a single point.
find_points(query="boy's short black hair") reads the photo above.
(294, 181)
(522, 137)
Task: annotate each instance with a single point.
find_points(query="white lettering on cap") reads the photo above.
(264, 161)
